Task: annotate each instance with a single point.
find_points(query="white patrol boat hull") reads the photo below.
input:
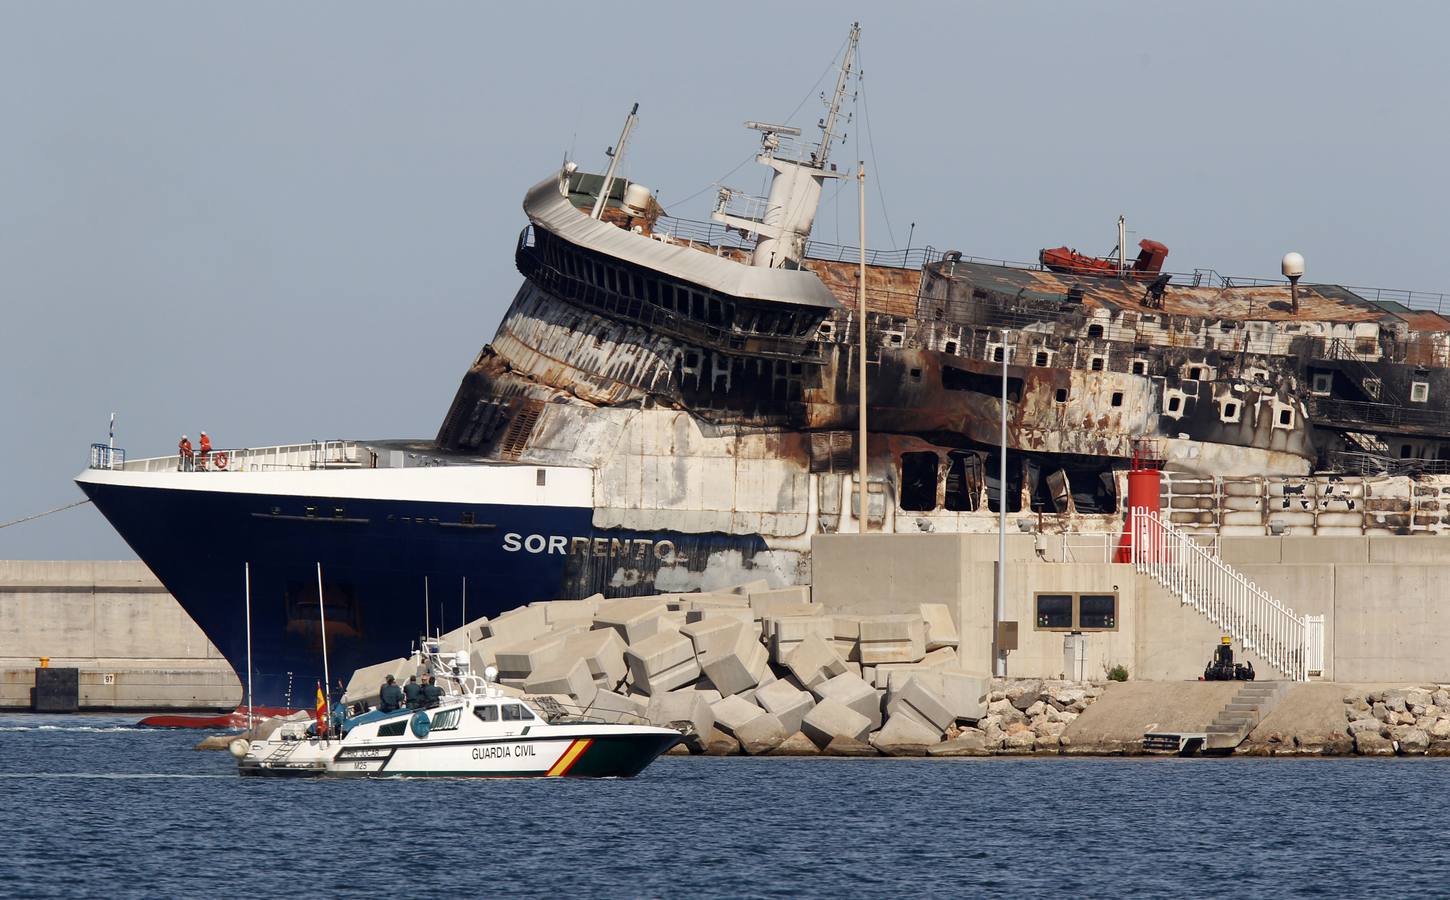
(464, 746)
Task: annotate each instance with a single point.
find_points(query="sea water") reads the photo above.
(90, 806)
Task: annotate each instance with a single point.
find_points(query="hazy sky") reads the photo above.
(285, 221)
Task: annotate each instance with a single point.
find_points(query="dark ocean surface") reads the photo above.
(92, 807)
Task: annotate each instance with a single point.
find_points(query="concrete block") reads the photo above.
(784, 633)
(518, 660)
(365, 683)
(761, 734)
(603, 651)
(905, 736)
(713, 602)
(892, 639)
(484, 653)
(635, 618)
(738, 613)
(517, 625)
(715, 634)
(965, 694)
(941, 631)
(463, 638)
(661, 662)
(682, 706)
(831, 719)
(814, 661)
(854, 693)
(786, 702)
(919, 700)
(564, 675)
(796, 745)
(618, 708)
(739, 667)
(556, 611)
(733, 712)
(936, 660)
(846, 637)
(792, 601)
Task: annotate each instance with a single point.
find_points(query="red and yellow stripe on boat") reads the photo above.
(571, 756)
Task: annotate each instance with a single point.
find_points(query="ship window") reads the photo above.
(1041, 358)
(1095, 331)
(918, 481)
(915, 374)
(539, 477)
(516, 712)
(338, 512)
(467, 518)
(951, 347)
(1419, 391)
(1323, 382)
(1097, 364)
(1194, 373)
(1117, 398)
(996, 354)
(1140, 367)
(487, 713)
(445, 720)
(392, 729)
(692, 360)
(1230, 411)
(954, 379)
(964, 481)
(1174, 403)
(1286, 417)
(1061, 395)
(311, 512)
(1405, 451)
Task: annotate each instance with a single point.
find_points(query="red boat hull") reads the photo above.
(237, 718)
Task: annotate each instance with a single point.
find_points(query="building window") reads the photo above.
(1077, 612)
(1117, 398)
(1419, 391)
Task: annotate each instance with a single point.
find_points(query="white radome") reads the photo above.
(1293, 265)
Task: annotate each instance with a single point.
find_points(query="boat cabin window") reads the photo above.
(918, 481)
(446, 720)
(392, 729)
(487, 713)
(516, 712)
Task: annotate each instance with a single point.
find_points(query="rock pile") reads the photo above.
(753, 670)
(1405, 721)
(1023, 716)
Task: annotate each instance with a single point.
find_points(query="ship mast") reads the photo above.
(781, 222)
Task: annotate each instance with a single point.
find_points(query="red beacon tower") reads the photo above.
(1145, 481)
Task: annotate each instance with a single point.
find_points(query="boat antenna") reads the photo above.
(247, 581)
(463, 609)
(326, 675)
(427, 628)
(614, 153)
(833, 111)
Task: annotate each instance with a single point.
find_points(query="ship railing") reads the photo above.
(557, 712)
(739, 204)
(333, 454)
(1197, 577)
(104, 456)
(1378, 415)
(1350, 462)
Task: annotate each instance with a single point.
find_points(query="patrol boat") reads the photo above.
(478, 730)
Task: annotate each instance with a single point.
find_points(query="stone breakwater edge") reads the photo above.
(765, 672)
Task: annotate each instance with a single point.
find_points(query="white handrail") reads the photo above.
(1228, 599)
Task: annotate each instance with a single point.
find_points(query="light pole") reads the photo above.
(862, 503)
(999, 609)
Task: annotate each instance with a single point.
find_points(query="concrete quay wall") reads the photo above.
(133, 644)
(1386, 600)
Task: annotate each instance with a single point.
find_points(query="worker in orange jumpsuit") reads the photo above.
(184, 448)
(203, 451)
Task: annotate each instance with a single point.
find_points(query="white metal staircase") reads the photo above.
(1292, 644)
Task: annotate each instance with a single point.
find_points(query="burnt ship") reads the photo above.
(671, 405)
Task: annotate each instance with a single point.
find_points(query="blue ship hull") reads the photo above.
(375, 557)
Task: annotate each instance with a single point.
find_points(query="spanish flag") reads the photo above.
(321, 710)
